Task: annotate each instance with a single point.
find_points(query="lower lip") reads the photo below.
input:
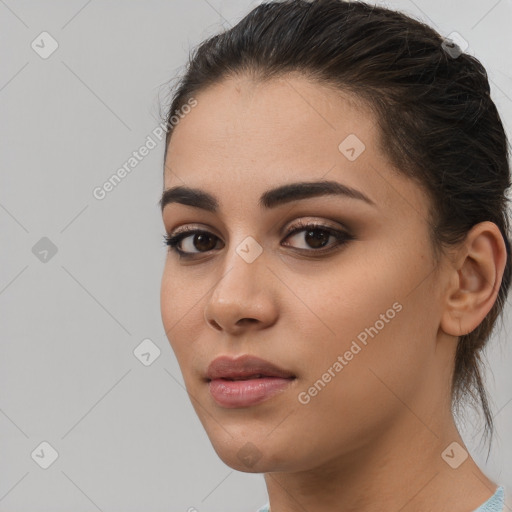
(244, 393)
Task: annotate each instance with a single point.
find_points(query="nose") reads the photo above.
(243, 297)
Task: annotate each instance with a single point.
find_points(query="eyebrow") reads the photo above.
(270, 199)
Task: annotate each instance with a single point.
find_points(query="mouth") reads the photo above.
(247, 392)
(245, 367)
(245, 381)
(251, 377)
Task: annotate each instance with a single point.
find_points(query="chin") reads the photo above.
(253, 453)
(248, 458)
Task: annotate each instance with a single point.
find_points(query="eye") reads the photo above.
(315, 235)
(199, 238)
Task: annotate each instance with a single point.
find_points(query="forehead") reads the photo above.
(244, 136)
(240, 117)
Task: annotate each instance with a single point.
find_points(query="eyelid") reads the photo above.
(285, 230)
(189, 228)
(304, 222)
(342, 236)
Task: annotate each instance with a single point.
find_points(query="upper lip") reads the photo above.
(225, 367)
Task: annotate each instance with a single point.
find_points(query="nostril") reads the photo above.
(215, 325)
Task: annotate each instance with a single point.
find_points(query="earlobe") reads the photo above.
(475, 279)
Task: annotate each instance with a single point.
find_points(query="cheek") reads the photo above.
(180, 296)
(346, 401)
(345, 298)
(181, 315)
(376, 316)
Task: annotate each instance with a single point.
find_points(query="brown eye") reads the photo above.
(316, 236)
(196, 242)
(203, 242)
(191, 242)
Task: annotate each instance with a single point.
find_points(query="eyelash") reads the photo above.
(342, 238)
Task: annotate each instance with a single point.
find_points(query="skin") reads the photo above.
(372, 439)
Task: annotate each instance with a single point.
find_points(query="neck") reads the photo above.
(401, 470)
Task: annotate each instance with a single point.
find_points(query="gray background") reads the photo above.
(126, 434)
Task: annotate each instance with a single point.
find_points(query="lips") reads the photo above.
(244, 368)
(245, 381)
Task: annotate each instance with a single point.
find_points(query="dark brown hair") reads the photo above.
(438, 123)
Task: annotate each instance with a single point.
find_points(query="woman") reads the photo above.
(335, 209)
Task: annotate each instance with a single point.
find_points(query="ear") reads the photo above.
(475, 279)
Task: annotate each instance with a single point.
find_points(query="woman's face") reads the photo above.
(354, 321)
